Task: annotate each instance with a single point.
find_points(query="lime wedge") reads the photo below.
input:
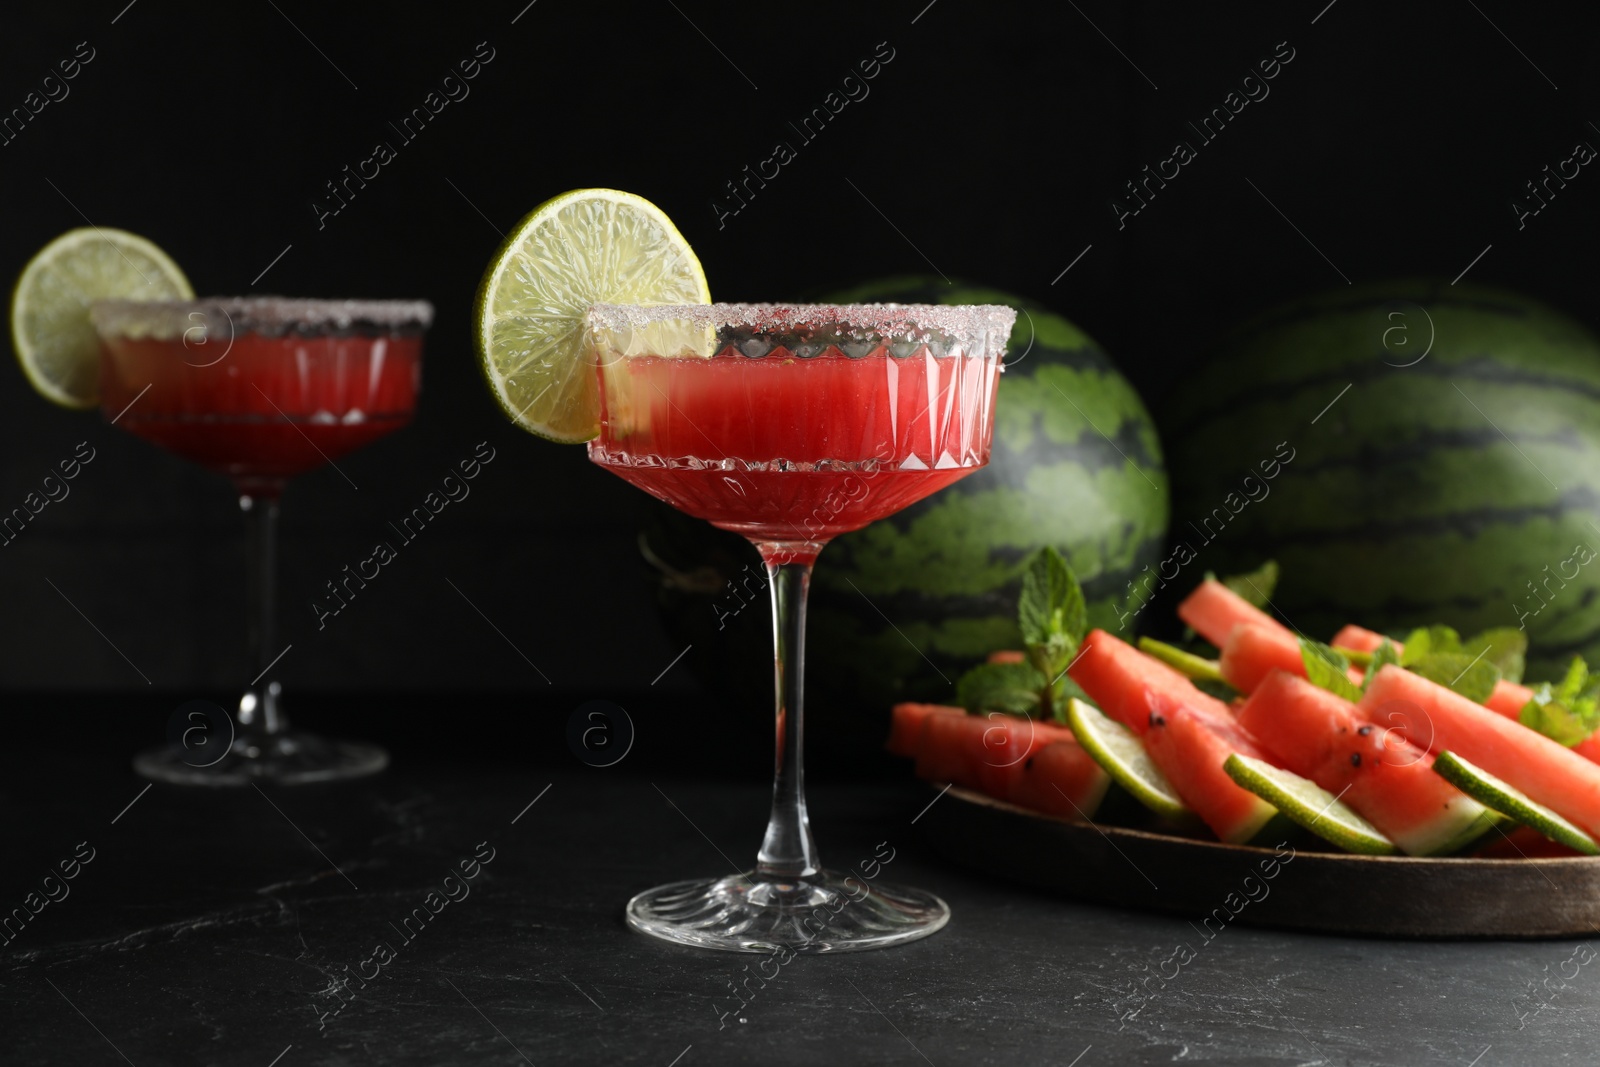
(1505, 798)
(1310, 805)
(586, 247)
(50, 328)
(1121, 754)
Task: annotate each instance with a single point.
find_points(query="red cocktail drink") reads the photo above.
(795, 450)
(260, 407)
(791, 425)
(260, 389)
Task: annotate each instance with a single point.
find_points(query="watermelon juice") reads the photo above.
(271, 408)
(791, 450)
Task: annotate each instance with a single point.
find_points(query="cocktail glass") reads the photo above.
(791, 425)
(259, 389)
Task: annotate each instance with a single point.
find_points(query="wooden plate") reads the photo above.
(1291, 887)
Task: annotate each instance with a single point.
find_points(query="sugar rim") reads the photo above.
(970, 322)
(257, 314)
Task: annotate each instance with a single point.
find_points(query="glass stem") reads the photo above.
(259, 715)
(788, 852)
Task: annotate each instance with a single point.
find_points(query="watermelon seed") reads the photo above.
(1355, 759)
(1364, 731)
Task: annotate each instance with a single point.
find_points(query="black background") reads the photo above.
(988, 149)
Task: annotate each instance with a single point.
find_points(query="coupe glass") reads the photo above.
(260, 389)
(791, 425)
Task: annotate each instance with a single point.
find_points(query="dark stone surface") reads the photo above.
(207, 926)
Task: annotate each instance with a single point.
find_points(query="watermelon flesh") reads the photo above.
(1360, 639)
(1188, 734)
(1190, 746)
(1386, 779)
(1121, 681)
(1429, 715)
(1061, 779)
(1035, 764)
(1005, 744)
(906, 722)
(1213, 610)
(1507, 698)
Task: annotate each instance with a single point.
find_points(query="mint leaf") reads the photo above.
(1381, 658)
(1457, 671)
(1428, 640)
(1558, 722)
(1255, 586)
(1568, 712)
(1326, 667)
(1506, 649)
(1012, 688)
(1576, 681)
(1051, 612)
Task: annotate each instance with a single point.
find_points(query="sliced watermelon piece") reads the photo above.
(950, 748)
(1507, 698)
(1360, 639)
(905, 726)
(1121, 680)
(1005, 745)
(1213, 610)
(1252, 652)
(1431, 716)
(1060, 778)
(982, 752)
(1191, 747)
(1386, 779)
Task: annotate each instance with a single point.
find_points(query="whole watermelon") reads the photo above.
(901, 607)
(1455, 478)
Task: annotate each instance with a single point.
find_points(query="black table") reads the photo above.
(210, 928)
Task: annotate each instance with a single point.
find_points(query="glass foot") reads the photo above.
(290, 758)
(827, 913)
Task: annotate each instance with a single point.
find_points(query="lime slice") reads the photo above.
(50, 328)
(1310, 805)
(1505, 798)
(586, 247)
(1185, 663)
(1121, 754)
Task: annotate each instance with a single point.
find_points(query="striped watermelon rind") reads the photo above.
(1430, 492)
(901, 607)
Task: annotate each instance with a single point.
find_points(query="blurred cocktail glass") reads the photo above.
(260, 389)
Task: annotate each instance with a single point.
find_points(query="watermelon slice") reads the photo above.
(988, 753)
(1387, 780)
(1004, 746)
(1360, 639)
(1507, 698)
(905, 726)
(1213, 610)
(1252, 652)
(1429, 715)
(1121, 680)
(950, 749)
(1060, 778)
(1190, 747)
